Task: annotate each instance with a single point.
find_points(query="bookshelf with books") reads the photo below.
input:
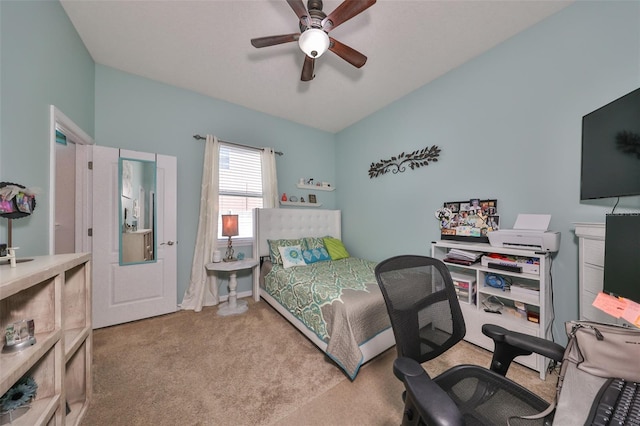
(508, 287)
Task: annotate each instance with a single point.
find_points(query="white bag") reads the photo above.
(595, 352)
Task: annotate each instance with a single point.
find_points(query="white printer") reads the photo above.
(529, 232)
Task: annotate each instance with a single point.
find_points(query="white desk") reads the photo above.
(233, 305)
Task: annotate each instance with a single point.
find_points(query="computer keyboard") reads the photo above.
(617, 403)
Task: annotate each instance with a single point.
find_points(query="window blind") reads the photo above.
(240, 186)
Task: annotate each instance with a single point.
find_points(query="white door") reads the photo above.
(135, 291)
(65, 208)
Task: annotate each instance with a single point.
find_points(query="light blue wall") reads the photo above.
(509, 125)
(143, 115)
(44, 62)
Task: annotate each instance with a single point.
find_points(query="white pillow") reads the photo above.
(291, 256)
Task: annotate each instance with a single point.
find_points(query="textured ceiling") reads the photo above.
(204, 46)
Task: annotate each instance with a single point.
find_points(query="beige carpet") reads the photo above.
(192, 368)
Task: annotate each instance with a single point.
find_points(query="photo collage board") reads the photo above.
(468, 220)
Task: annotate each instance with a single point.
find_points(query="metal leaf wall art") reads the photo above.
(415, 160)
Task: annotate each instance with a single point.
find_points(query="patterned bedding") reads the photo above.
(338, 300)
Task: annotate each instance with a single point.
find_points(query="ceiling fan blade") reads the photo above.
(300, 10)
(350, 55)
(307, 68)
(273, 40)
(347, 10)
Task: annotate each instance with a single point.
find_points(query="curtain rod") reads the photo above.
(198, 137)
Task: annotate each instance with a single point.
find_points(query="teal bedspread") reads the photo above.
(339, 301)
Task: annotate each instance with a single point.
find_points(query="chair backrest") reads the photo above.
(422, 304)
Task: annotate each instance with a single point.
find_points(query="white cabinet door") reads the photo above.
(135, 291)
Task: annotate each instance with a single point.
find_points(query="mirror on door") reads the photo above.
(137, 211)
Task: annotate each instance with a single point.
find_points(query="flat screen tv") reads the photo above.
(611, 149)
(622, 256)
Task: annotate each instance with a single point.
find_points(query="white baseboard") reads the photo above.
(241, 295)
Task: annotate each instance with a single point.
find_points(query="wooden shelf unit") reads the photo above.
(473, 310)
(54, 291)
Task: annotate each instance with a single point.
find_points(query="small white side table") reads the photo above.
(233, 306)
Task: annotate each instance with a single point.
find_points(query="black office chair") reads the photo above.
(427, 320)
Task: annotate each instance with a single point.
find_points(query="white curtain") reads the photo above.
(269, 179)
(203, 287)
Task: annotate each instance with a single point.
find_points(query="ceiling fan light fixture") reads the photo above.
(314, 42)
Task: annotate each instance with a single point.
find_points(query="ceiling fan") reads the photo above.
(313, 37)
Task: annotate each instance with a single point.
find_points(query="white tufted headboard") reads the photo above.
(273, 224)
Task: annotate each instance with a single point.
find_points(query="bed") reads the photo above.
(345, 317)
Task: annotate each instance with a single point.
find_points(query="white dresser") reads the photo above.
(137, 246)
(591, 269)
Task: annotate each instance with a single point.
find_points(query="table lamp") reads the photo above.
(229, 229)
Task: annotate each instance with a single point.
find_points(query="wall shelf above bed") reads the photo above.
(316, 187)
(299, 204)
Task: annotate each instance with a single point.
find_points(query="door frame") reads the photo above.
(74, 134)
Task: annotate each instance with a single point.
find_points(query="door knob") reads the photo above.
(169, 243)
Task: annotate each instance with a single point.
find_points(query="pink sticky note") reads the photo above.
(610, 304)
(632, 313)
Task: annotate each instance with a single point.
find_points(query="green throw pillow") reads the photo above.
(335, 248)
(310, 243)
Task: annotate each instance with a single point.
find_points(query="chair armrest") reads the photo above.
(425, 397)
(510, 344)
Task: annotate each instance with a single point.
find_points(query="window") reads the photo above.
(240, 186)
